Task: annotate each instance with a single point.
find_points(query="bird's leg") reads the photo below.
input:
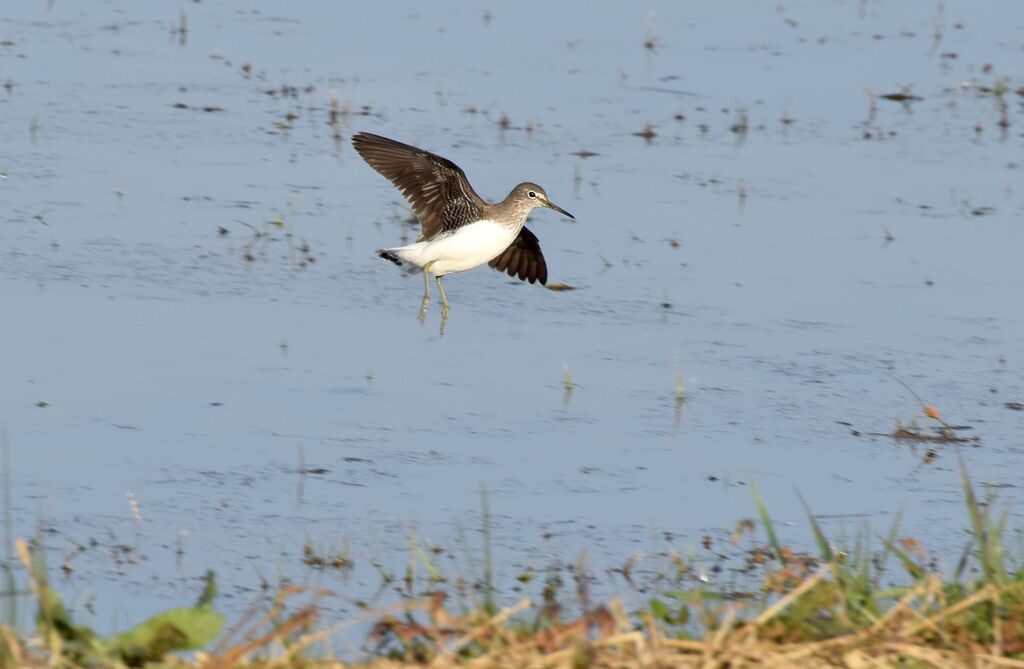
(426, 283)
(444, 298)
(426, 293)
(422, 313)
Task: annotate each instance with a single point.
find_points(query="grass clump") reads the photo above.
(840, 607)
(64, 642)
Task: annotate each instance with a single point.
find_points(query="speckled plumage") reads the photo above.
(445, 204)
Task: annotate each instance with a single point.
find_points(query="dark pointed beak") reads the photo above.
(561, 211)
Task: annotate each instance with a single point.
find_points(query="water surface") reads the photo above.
(786, 244)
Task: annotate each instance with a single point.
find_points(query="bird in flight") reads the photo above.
(459, 229)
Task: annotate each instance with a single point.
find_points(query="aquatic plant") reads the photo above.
(840, 607)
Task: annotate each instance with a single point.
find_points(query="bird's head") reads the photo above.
(531, 195)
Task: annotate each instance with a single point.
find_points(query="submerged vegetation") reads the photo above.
(840, 607)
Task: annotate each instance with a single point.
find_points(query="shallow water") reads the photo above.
(756, 262)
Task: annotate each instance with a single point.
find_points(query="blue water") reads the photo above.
(754, 264)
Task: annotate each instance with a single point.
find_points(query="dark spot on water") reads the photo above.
(647, 133)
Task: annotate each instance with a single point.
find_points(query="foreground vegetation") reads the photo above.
(831, 609)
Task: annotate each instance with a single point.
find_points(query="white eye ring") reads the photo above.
(531, 194)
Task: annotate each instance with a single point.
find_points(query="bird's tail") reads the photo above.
(404, 256)
(388, 255)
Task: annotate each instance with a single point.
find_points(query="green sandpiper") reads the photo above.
(459, 229)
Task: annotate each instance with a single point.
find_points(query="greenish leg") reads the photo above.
(426, 292)
(444, 298)
(426, 284)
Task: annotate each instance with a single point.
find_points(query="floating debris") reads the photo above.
(742, 123)
(904, 95)
(647, 133)
(939, 435)
(206, 108)
(650, 42)
(568, 384)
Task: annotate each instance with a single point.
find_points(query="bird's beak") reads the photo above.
(563, 212)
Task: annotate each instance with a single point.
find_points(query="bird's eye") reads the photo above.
(532, 194)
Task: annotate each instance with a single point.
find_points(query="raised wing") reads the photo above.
(523, 259)
(437, 188)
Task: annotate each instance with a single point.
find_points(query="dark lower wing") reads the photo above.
(523, 259)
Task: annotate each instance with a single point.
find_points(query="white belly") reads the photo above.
(468, 247)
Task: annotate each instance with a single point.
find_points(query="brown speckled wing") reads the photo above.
(437, 188)
(523, 259)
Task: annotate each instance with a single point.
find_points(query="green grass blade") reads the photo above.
(489, 604)
(912, 568)
(10, 595)
(980, 527)
(888, 541)
(860, 566)
(961, 565)
(997, 548)
(819, 536)
(766, 522)
(435, 574)
(10, 584)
